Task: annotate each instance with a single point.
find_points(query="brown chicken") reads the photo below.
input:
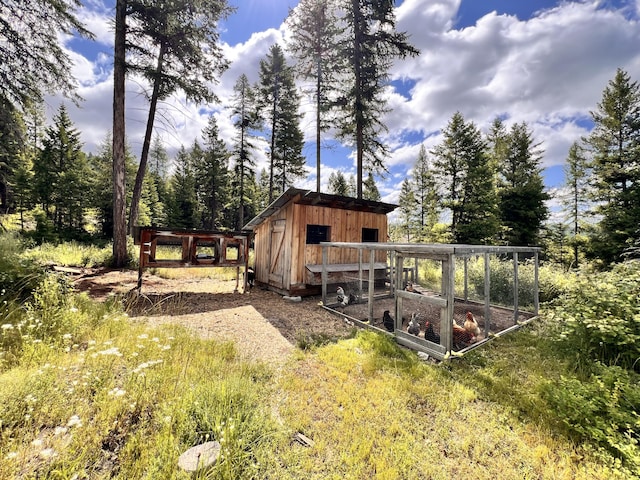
(471, 325)
(461, 337)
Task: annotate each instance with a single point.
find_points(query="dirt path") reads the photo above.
(263, 325)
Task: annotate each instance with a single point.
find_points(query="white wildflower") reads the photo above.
(74, 421)
(155, 339)
(117, 392)
(11, 455)
(36, 443)
(67, 336)
(60, 431)
(47, 453)
(148, 364)
(7, 326)
(143, 336)
(111, 351)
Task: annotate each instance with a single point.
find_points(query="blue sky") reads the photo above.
(543, 62)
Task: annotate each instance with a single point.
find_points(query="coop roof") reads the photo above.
(308, 197)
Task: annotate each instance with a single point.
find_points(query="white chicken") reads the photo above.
(414, 326)
(471, 325)
(341, 298)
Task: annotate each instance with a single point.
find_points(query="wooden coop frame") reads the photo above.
(289, 232)
(400, 272)
(218, 246)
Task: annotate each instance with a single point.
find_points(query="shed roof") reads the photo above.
(308, 197)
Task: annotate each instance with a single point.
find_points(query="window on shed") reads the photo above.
(318, 233)
(369, 234)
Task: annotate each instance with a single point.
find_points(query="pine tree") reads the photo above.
(368, 44)
(615, 145)
(314, 29)
(371, 189)
(426, 194)
(338, 184)
(464, 168)
(521, 189)
(408, 212)
(244, 113)
(183, 206)
(175, 46)
(213, 178)
(32, 57)
(279, 103)
(62, 174)
(576, 201)
(12, 146)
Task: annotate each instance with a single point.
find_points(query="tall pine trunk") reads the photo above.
(119, 182)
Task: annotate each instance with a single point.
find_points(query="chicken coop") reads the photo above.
(440, 299)
(288, 234)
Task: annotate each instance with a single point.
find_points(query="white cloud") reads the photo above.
(549, 71)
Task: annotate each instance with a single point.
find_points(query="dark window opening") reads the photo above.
(369, 234)
(317, 234)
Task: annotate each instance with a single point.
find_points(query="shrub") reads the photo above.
(603, 409)
(598, 318)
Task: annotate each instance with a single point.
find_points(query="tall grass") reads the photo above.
(85, 392)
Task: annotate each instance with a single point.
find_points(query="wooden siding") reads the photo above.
(294, 254)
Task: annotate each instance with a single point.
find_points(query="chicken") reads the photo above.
(341, 297)
(461, 337)
(411, 288)
(471, 325)
(388, 322)
(430, 334)
(414, 326)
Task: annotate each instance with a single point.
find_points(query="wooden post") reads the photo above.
(359, 272)
(325, 257)
(446, 313)
(466, 279)
(487, 294)
(372, 278)
(536, 273)
(515, 287)
(398, 319)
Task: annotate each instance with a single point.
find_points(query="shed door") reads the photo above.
(277, 254)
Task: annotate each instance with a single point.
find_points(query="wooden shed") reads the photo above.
(289, 233)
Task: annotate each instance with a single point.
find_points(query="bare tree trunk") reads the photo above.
(144, 156)
(119, 185)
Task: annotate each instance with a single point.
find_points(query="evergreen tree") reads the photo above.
(279, 103)
(175, 45)
(213, 178)
(32, 57)
(408, 218)
(183, 207)
(101, 187)
(244, 114)
(313, 27)
(338, 184)
(368, 44)
(371, 189)
(426, 194)
(576, 200)
(158, 158)
(521, 189)
(12, 147)
(262, 190)
(615, 147)
(464, 168)
(62, 174)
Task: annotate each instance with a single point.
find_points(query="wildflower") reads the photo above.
(11, 455)
(7, 326)
(66, 336)
(74, 421)
(111, 351)
(148, 364)
(47, 453)
(143, 336)
(60, 431)
(36, 442)
(155, 339)
(73, 309)
(166, 347)
(117, 392)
